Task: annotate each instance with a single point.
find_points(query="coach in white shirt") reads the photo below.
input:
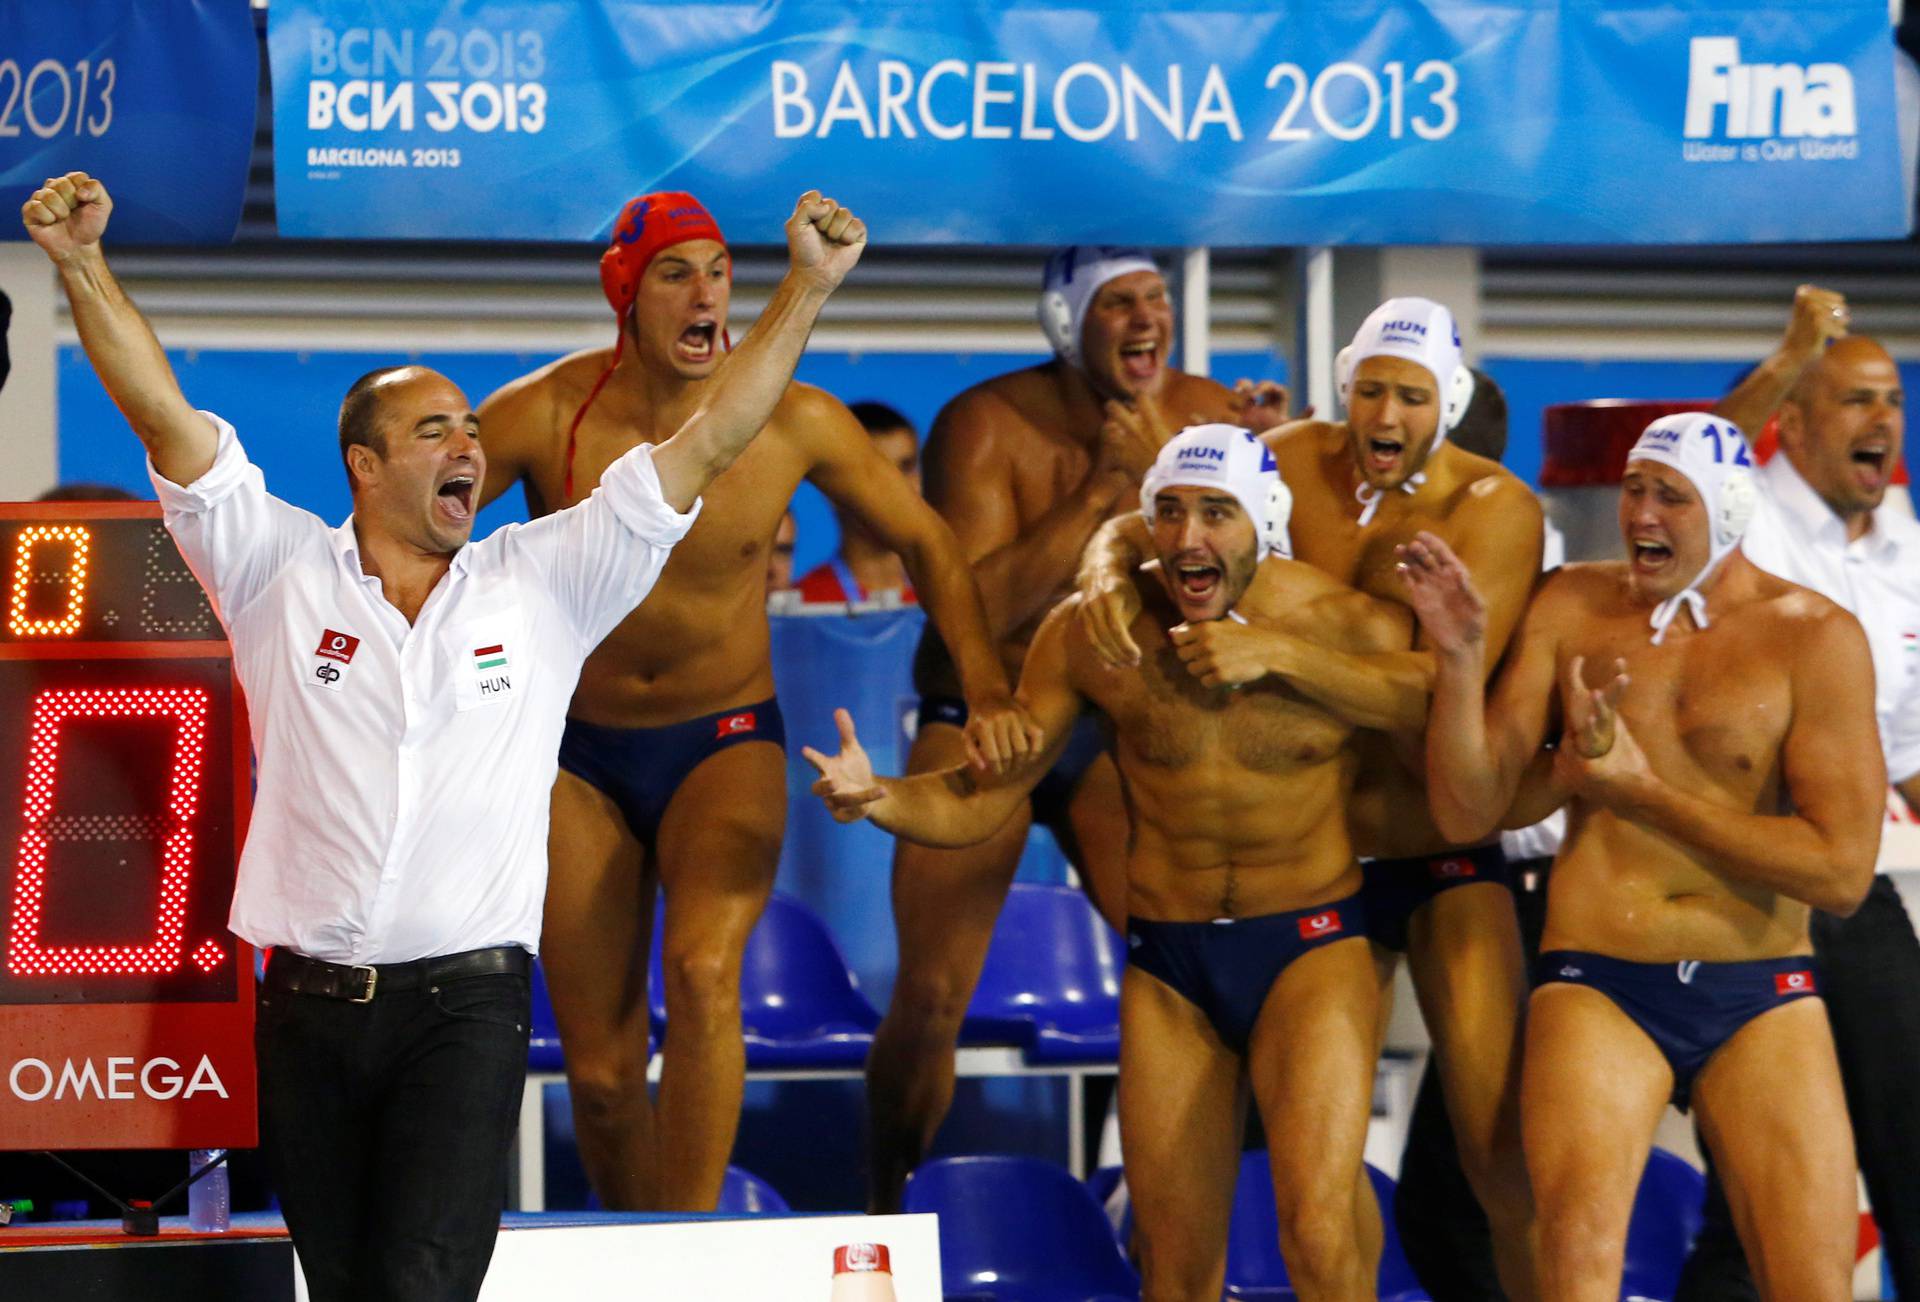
(1826, 521)
(407, 691)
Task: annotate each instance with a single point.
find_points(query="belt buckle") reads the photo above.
(373, 982)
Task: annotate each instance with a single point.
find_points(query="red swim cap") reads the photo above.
(646, 226)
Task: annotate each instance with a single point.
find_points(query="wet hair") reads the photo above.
(879, 418)
(1483, 427)
(360, 416)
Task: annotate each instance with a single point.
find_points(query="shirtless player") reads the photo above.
(1360, 489)
(673, 769)
(1024, 467)
(1244, 961)
(1716, 794)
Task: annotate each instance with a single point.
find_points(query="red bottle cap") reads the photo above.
(859, 1257)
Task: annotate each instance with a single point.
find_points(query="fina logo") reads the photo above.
(1764, 100)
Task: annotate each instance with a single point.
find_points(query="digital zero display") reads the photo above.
(100, 580)
(116, 888)
(123, 797)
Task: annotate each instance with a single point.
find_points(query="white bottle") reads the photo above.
(862, 1272)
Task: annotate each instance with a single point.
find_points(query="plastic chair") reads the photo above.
(743, 1193)
(1051, 982)
(1016, 1229)
(1255, 1268)
(1667, 1215)
(800, 1004)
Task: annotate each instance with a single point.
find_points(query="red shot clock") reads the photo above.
(126, 1006)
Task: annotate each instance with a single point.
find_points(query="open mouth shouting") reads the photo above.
(1140, 360)
(1651, 556)
(1384, 454)
(696, 343)
(453, 500)
(1196, 582)
(1872, 463)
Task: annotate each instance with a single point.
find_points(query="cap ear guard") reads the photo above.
(1343, 373)
(1056, 323)
(617, 280)
(1459, 396)
(1738, 499)
(1276, 539)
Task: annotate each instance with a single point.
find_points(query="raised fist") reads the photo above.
(67, 214)
(1819, 315)
(824, 240)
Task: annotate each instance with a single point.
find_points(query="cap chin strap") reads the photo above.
(1688, 598)
(573, 430)
(1370, 497)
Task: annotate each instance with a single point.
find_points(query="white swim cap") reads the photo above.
(1073, 276)
(1232, 460)
(1423, 332)
(1711, 453)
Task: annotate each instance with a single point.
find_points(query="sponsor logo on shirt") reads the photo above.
(337, 646)
(332, 659)
(735, 724)
(1793, 983)
(1324, 923)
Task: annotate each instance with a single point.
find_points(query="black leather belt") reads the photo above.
(300, 975)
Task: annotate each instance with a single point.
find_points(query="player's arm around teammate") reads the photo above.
(970, 481)
(957, 806)
(854, 474)
(1387, 688)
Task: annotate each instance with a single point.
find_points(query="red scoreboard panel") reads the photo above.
(126, 1006)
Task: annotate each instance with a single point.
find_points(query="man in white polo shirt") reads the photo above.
(407, 692)
(1827, 522)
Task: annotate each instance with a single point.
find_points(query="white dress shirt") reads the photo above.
(404, 769)
(1796, 536)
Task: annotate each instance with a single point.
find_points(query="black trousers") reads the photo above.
(386, 1127)
(1870, 970)
(1444, 1233)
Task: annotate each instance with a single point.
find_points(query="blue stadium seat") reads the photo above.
(1016, 1229)
(1666, 1218)
(1254, 1265)
(1051, 982)
(743, 1193)
(800, 1004)
(543, 1041)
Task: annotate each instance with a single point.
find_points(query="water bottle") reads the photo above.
(209, 1204)
(862, 1273)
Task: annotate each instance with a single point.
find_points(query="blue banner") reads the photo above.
(154, 97)
(1223, 122)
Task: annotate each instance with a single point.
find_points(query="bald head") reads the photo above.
(1843, 359)
(1843, 424)
(360, 424)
